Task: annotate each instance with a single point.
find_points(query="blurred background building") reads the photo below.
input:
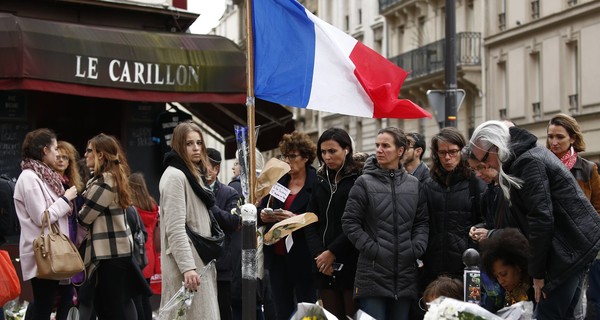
(523, 60)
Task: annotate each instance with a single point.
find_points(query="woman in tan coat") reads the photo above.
(185, 199)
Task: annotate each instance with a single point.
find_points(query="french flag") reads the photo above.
(304, 62)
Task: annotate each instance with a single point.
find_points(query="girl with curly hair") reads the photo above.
(504, 256)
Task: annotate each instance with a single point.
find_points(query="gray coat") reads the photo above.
(180, 205)
(386, 220)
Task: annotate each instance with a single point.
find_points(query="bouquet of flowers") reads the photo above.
(452, 309)
(312, 311)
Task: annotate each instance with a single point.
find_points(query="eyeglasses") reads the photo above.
(290, 156)
(479, 168)
(453, 153)
(487, 154)
(65, 158)
(88, 150)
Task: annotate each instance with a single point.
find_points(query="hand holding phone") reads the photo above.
(337, 266)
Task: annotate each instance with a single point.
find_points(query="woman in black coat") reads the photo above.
(386, 220)
(334, 256)
(288, 261)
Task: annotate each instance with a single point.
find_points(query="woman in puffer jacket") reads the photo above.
(386, 220)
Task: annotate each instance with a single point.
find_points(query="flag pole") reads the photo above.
(249, 242)
(250, 100)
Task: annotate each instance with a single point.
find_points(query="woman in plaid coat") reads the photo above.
(109, 243)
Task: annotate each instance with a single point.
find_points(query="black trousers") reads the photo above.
(114, 292)
(224, 297)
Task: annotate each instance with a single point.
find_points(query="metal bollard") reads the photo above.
(471, 276)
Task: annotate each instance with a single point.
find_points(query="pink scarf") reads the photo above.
(569, 158)
(49, 176)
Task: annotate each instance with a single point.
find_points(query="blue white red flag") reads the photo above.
(304, 62)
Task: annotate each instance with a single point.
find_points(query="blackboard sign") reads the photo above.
(12, 105)
(12, 135)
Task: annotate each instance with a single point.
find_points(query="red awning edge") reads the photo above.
(120, 94)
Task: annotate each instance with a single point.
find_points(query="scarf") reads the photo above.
(174, 160)
(569, 158)
(49, 176)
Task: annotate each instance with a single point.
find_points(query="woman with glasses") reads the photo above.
(333, 254)
(290, 268)
(109, 242)
(385, 219)
(185, 201)
(453, 198)
(562, 226)
(66, 165)
(39, 188)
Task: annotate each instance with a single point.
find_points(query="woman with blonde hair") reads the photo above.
(109, 241)
(185, 200)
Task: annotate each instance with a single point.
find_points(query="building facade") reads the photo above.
(541, 59)
(518, 60)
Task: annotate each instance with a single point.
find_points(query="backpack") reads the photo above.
(9, 222)
(139, 234)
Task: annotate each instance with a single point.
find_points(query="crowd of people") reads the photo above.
(390, 235)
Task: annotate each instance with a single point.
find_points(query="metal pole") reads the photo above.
(450, 64)
(249, 265)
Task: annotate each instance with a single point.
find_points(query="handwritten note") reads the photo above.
(279, 192)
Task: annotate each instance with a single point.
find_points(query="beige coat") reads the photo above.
(179, 204)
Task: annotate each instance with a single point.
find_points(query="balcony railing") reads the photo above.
(430, 58)
(386, 4)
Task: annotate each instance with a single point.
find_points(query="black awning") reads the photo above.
(273, 119)
(119, 63)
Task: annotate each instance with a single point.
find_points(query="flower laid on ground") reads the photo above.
(444, 308)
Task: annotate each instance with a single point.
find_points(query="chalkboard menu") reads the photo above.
(11, 140)
(142, 152)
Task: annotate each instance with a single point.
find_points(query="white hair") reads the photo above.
(496, 133)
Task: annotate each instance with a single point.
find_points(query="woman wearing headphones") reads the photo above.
(334, 256)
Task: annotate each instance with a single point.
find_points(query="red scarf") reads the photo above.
(49, 176)
(569, 158)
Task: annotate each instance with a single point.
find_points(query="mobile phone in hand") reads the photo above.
(337, 266)
(268, 210)
(278, 211)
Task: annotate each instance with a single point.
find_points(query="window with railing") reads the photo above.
(428, 59)
(502, 113)
(537, 110)
(573, 104)
(502, 21)
(535, 9)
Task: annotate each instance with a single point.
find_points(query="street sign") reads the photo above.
(437, 100)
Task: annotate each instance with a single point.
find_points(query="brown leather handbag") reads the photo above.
(56, 256)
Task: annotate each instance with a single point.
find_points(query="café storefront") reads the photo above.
(81, 80)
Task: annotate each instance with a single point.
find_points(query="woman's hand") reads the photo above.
(324, 262)
(478, 234)
(538, 285)
(281, 214)
(268, 217)
(71, 193)
(191, 280)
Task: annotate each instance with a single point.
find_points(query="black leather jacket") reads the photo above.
(562, 226)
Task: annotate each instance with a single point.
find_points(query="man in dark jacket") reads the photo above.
(562, 226)
(413, 156)
(226, 198)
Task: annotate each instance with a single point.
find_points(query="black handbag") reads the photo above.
(208, 248)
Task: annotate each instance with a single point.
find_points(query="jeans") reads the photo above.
(386, 308)
(561, 302)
